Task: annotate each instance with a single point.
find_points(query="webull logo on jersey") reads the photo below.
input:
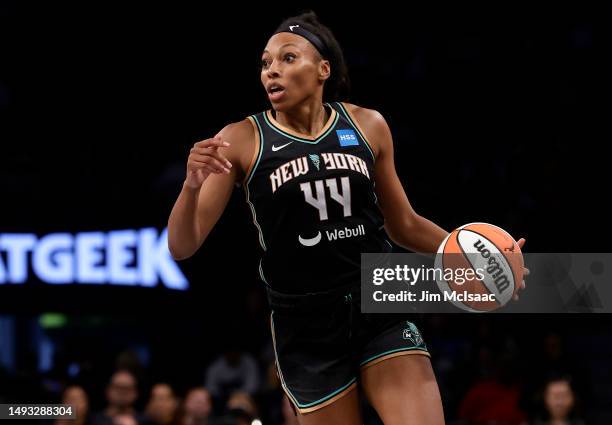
(332, 235)
(347, 137)
(331, 161)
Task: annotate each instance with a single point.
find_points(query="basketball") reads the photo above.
(482, 267)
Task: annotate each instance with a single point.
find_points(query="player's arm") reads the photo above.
(197, 209)
(403, 225)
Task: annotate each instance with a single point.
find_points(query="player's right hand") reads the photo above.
(204, 159)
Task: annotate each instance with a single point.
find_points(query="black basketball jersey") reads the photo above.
(313, 203)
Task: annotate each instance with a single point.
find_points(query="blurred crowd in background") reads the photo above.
(508, 370)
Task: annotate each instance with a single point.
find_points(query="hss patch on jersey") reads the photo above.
(347, 137)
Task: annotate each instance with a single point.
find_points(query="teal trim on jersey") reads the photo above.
(246, 186)
(299, 139)
(348, 117)
(261, 145)
(393, 351)
(301, 405)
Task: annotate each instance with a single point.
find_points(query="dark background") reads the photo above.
(496, 115)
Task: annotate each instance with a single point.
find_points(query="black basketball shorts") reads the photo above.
(322, 341)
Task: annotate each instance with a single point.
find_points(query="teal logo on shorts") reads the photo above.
(412, 333)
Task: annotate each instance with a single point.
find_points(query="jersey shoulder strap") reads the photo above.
(343, 110)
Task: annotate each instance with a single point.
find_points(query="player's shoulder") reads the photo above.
(238, 130)
(241, 137)
(374, 126)
(370, 119)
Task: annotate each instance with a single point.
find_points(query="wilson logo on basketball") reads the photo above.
(502, 282)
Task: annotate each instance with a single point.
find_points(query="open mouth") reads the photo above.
(275, 90)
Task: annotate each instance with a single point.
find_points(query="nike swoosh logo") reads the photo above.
(293, 26)
(311, 241)
(277, 148)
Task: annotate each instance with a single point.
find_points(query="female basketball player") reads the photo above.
(320, 181)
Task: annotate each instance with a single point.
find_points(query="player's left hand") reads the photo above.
(520, 243)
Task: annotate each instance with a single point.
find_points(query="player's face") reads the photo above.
(291, 70)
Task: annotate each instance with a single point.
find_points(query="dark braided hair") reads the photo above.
(337, 86)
